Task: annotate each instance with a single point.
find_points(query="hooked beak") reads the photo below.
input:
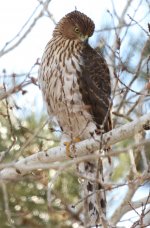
(85, 39)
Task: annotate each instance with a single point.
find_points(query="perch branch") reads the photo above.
(58, 154)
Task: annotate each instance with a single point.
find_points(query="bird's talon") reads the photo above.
(68, 144)
(76, 140)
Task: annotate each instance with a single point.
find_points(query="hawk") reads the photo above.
(75, 84)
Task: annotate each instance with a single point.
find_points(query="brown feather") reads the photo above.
(67, 24)
(95, 85)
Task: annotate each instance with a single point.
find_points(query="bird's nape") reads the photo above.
(75, 25)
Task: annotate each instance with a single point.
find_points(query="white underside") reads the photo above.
(58, 82)
(60, 90)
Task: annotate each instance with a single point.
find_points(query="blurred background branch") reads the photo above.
(30, 156)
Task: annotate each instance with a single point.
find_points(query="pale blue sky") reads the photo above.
(13, 14)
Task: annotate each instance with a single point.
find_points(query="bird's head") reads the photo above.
(75, 26)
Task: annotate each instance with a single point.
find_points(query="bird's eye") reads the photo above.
(76, 30)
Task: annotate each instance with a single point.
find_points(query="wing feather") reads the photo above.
(95, 86)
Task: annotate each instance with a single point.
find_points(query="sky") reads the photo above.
(14, 14)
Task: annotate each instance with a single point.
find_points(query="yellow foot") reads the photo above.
(68, 144)
(76, 140)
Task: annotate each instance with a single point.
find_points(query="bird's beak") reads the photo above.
(85, 39)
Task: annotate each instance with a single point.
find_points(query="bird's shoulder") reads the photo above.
(95, 69)
(95, 85)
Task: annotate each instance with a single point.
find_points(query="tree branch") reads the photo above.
(56, 154)
(21, 36)
(124, 206)
(137, 204)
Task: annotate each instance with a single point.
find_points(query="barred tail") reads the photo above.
(94, 195)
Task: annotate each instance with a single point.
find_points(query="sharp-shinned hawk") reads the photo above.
(75, 83)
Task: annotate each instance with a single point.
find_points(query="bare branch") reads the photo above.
(6, 204)
(7, 49)
(56, 154)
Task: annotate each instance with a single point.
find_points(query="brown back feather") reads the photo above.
(95, 86)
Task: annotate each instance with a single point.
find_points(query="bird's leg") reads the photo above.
(68, 144)
(77, 139)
